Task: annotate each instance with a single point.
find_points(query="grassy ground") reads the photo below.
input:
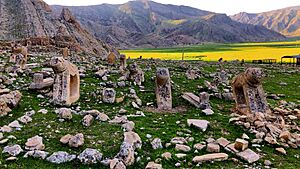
(107, 138)
(212, 52)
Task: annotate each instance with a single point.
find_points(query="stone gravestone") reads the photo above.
(111, 58)
(66, 81)
(204, 100)
(109, 95)
(163, 89)
(248, 92)
(40, 83)
(123, 63)
(136, 74)
(65, 52)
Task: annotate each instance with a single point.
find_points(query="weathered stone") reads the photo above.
(65, 139)
(60, 157)
(35, 143)
(208, 112)
(90, 156)
(117, 164)
(241, 144)
(87, 120)
(166, 155)
(111, 58)
(153, 165)
(25, 119)
(15, 124)
(281, 150)
(36, 154)
(77, 140)
(133, 139)
(286, 135)
(109, 95)
(210, 157)
(13, 150)
(156, 144)
(64, 113)
(200, 124)
(181, 147)
(4, 109)
(126, 153)
(248, 92)
(213, 148)
(102, 117)
(249, 156)
(66, 81)
(163, 89)
(136, 74)
(223, 142)
(178, 140)
(199, 146)
(40, 83)
(192, 98)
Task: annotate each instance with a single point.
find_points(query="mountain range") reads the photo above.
(21, 19)
(286, 21)
(146, 23)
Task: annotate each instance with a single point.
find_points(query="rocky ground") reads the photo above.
(95, 134)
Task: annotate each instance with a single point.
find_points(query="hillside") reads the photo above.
(151, 24)
(285, 21)
(22, 19)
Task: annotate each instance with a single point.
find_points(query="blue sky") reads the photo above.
(220, 6)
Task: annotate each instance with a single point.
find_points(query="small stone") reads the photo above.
(65, 139)
(153, 165)
(213, 148)
(249, 156)
(208, 112)
(281, 150)
(90, 156)
(241, 144)
(13, 150)
(156, 144)
(223, 142)
(36, 154)
(184, 148)
(180, 155)
(35, 143)
(77, 140)
(199, 146)
(129, 126)
(60, 157)
(267, 163)
(25, 119)
(201, 124)
(102, 117)
(15, 124)
(210, 157)
(87, 120)
(178, 140)
(166, 155)
(245, 136)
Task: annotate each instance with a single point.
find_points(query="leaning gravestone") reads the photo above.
(136, 74)
(163, 89)
(66, 82)
(248, 92)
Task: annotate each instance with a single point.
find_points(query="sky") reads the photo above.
(220, 6)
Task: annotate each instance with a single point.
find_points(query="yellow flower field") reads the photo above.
(246, 51)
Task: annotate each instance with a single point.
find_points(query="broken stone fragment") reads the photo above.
(208, 112)
(90, 156)
(64, 113)
(281, 150)
(77, 140)
(213, 148)
(249, 156)
(241, 144)
(102, 117)
(178, 140)
(153, 165)
(133, 139)
(166, 155)
(117, 164)
(181, 147)
(13, 150)
(65, 139)
(60, 157)
(200, 124)
(223, 142)
(109, 95)
(36, 154)
(126, 154)
(210, 157)
(156, 143)
(35, 143)
(87, 120)
(25, 119)
(129, 126)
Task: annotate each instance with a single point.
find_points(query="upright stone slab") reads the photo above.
(111, 58)
(248, 92)
(65, 52)
(136, 74)
(109, 95)
(123, 63)
(163, 89)
(66, 81)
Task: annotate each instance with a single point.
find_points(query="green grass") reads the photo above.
(162, 125)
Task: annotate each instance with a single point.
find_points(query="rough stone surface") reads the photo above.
(210, 157)
(90, 156)
(200, 124)
(249, 156)
(60, 157)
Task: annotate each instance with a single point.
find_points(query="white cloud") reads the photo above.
(219, 6)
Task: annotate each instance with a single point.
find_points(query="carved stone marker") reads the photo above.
(66, 82)
(40, 83)
(123, 63)
(248, 92)
(163, 89)
(201, 102)
(111, 58)
(65, 52)
(136, 74)
(109, 95)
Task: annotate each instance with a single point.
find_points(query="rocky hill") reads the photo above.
(149, 24)
(285, 21)
(34, 19)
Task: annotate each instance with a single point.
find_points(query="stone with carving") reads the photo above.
(248, 92)
(163, 89)
(40, 83)
(65, 52)
(109, 95)
(66, 82)
(136, 74)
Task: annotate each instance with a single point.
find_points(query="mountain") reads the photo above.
(146, 23)
(33, 19)
(285, 21)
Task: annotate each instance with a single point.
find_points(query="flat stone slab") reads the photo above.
(192, 98)
(210, 157)
(249, 156)
(200, 124)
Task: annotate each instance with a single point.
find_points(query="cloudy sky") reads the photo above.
(219, 6)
